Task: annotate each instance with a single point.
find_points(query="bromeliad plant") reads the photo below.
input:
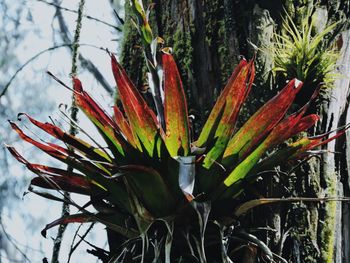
(301, 51)
(154, 186)
(148, 174)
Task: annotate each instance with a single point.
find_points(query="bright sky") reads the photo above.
(19, 217)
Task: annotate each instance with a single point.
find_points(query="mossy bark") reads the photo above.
(207, 38)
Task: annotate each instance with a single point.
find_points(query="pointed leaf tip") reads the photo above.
(175, 109)
(142, 120)
(77, 86)
(261, 123)
(239, 88)
(298, 83)
(213, 120)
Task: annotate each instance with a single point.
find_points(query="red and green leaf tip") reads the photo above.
(139, 170)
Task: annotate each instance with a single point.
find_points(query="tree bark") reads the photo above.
(207, 38)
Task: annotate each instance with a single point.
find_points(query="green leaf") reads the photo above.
(150, 188)
(175, 109)
(104, 123)
(260, 124)
(144, 27)
(212, 122)
(239, 89)
(284, 130)
(141, 118)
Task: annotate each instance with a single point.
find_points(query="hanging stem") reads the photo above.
(147, 39)
(72, 130)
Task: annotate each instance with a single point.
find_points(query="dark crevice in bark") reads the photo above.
(343, 160)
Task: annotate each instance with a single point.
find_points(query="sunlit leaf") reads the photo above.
(213, 120)
(141, 118)
(239, 88)
(260, 124)
(104, 123)
(175, 109)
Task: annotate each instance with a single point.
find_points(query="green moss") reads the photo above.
(183, 49)
(304, 231)
(131, 55)
(329, 224)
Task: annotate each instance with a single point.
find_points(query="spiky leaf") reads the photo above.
(239, 88)
(260, 124)
(212, 122)
(141, 118)
(175, 109)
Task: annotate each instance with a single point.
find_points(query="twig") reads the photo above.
(86, 16)
(9, 238)
(121, 21)
(72, 130)
(8, 84)
(98, 252)
(73, 248)
(85, 62)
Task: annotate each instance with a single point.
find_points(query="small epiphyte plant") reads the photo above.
(300, 51)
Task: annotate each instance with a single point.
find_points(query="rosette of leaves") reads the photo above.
(305, 51)
(156, 187)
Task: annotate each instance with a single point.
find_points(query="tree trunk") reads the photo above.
(207, 38)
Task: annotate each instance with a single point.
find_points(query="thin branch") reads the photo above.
(73, 248)
(85, 62)
(121, 20)
(86, 16)
(72, 130)
(10, 239)
(8, 84)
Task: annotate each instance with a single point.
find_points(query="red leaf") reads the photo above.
(261, 123)
(106, 126)
(77, 218)
(141, 118)
(53, 150)
(239, 90)
(213, 120)
(306, 123)
(63, 155)
(85, 148)
(124, 126)
(175, 109)
(54, 177)
(307, 144)
(72, 185)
